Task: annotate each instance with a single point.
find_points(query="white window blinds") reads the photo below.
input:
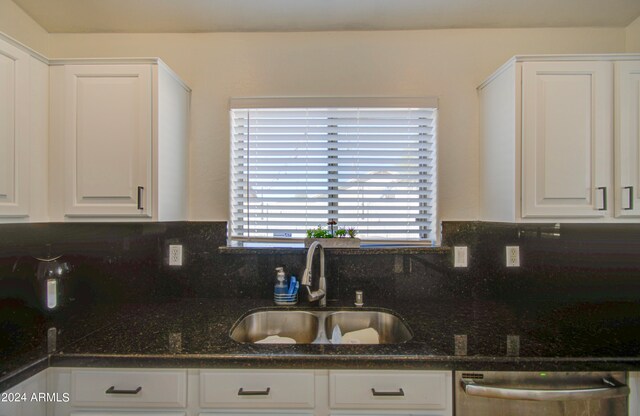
(372, 169)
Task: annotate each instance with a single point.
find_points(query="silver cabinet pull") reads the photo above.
(243, 392)
(630, 189)
(604, 198)
(398, 393)
(112, 390)
(140, 189)
(609, 388)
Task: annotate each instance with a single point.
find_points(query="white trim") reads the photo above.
(24, 47)
(556, 58)
(579, 57)
(107, 61)
(173, 74)
(333, 102)
(365, 242)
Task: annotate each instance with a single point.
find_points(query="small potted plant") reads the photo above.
(333, 237)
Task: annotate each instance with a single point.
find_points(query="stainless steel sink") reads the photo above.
(390, 327)
(299, 325)
(316, 326)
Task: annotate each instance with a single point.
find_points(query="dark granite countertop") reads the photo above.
(195, 333)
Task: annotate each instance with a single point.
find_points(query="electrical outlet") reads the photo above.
(513, 256)
(460, 257)
(175, 255)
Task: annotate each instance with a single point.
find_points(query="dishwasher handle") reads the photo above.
(609, 388)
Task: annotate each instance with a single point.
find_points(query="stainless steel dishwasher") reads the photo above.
(507, 393)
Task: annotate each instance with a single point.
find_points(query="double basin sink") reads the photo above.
(316, 326)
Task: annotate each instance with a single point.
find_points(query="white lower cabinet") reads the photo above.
(255, 414)
(423, 392)
(106, 392)
(27, 398)
(118, 413)
(125, 388)
(634, 396)
(257, 389)
(231, 392)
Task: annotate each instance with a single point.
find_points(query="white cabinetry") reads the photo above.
(225, 392)
(391, 390)
(257, 389)
(26, 399)
(119, 140)
(627, 129)
(23, 133)
(114, 391)
(566, 138)
(547, 138)
(634, 396)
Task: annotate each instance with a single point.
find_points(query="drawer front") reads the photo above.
(388, 389)
(254, 414)
(256, 389)
(127, 414)
(116, 388)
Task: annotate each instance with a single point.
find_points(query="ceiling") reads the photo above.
(83, 16)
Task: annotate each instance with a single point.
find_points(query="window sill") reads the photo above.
(339, 251)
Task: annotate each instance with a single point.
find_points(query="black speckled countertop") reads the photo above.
(195, 333)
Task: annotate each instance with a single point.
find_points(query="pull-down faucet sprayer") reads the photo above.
(319, 295)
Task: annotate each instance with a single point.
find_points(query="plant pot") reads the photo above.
(346, 242)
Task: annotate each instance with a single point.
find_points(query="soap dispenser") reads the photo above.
(281, 287)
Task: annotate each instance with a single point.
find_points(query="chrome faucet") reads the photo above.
(319, 295)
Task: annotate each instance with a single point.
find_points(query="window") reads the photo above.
(368, 166)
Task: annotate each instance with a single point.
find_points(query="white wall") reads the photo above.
(17, 24)
(633, 36)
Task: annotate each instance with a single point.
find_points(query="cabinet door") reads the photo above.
(627, 129)
(14, 134)
(567, 139)
(108, 140)
(119, 413)
(26, 399)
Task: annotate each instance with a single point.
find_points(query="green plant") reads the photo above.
(341, 233)
(320, 232)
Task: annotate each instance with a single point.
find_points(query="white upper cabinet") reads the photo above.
(627, 129)
(91, 139)
(108, 140)
(567, 112)
(23, 124)
(547, 138)
(120, 137)
(14, 123)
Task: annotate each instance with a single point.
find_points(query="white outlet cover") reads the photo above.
(175, 255)
(513, 256)
(460, 256)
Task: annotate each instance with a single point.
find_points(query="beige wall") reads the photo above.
(444, 63)
(17, 24)
(633, 36)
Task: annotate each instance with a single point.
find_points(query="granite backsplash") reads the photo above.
(127, 262)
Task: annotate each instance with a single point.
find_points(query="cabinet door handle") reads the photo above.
(140, 189)
(243, 392)
(630, 189)
(399, 393)
(112, 390)
(604, 198)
